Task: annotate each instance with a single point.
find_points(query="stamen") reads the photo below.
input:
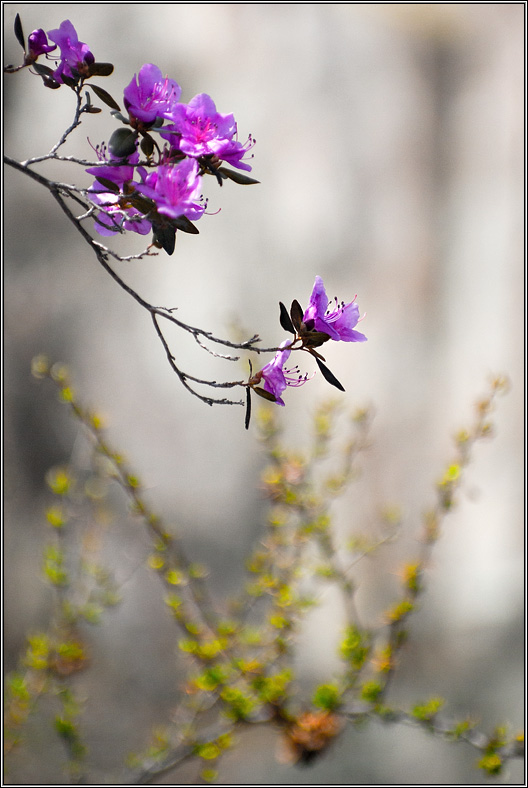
(299, 379)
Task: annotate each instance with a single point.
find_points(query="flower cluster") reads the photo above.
(168, 196)
(319, 322)
(163, 193)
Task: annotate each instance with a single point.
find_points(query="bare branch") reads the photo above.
(61, 191)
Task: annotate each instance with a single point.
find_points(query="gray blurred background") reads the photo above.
(390, 154)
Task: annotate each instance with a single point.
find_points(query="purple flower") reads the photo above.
(150, 95)
(175, 189)
(118, 174)
(38, 45)
(117, 209)
(275, 378)
(117, 213)
(197, 129)
(234, 152)
(338, 322)
(75, 56)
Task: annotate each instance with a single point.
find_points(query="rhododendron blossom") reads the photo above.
(38, 45)
(75, 56)
(338, 322)
(234, 152)
(121, 174)
(117, 211)
(176, 190)
(150, 95)
(197, 129)
(275, 378)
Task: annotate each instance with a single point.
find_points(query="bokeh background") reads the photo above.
(390, 154)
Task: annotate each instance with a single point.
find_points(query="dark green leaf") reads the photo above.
(147, 145)
(92, 110)
(185, 225)
(44, 71)
(296, 313)
(104, 96)
(265, 394)
(122, 143)
(328, 375)
(118, 115)
(143, 204)
(19, 33)
(285, 321)
(315, 338)
(71, 81)
(100, 69)
(248, 407)
(315, 354)
(237, 177)
(164, 237)
(47, 75)
(108, 184)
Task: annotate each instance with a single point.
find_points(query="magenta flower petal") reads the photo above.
(197, 129)
(234, 152)
(115, 210)
(150, 95)
(176, 190)
(338, 323)
(272, 374)
(203, 130)
(318, 302)
(38, 44)
(74, 54)
(275, 378)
